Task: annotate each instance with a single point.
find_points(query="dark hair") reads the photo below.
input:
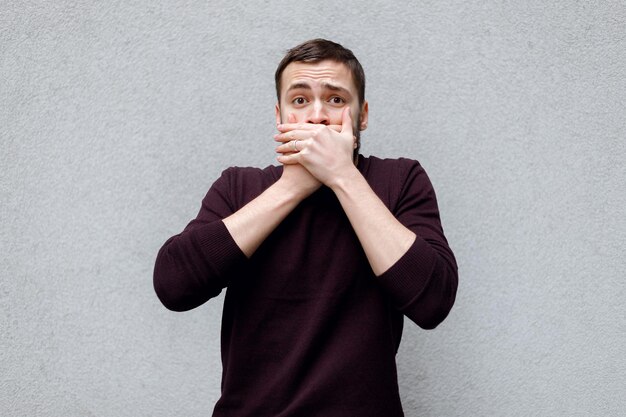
(317, 50)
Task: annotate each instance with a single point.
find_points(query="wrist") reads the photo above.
(290, 192)
(344, 181)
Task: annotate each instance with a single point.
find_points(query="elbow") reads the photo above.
(170, 300)
(173, 285)
(178, 299)
(169, 294)
(435, 317)
(435, 303)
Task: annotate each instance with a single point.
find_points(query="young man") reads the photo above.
(321, 257)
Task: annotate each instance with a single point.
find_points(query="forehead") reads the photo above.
(317, 72)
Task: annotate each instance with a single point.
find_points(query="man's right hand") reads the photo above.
(251, 224)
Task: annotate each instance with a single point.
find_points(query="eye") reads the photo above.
(337, 100)
(299, 101)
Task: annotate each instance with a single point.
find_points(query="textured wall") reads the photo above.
(115, 118)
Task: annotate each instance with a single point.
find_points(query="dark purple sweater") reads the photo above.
(307, 328)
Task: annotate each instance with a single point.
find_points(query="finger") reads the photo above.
(309, 126)
(291, 120)
(290, 159)
(346, 121)
(288, 147)
(292, 135)
(286, 127)
(336, 128)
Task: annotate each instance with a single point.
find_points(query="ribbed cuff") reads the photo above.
(408, 277)
(219, 248)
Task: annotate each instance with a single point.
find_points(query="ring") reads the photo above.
(294, 145)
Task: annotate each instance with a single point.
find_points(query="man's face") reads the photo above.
(318, 92)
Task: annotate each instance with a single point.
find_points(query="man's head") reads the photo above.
(316, 80)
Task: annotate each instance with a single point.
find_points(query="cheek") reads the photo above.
(335, 116)
(298, 113)
(355, 115)
(302, 116)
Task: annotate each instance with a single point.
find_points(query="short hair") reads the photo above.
(316, 50)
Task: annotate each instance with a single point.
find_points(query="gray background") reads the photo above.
(115, 118)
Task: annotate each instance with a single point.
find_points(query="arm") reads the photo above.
(408, 254)
(423, 282)
(328, 156)
(256, 220)
(197, 264)
(406, 249)
(383, 237)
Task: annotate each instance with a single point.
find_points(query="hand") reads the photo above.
(324, 152)
(296, 177)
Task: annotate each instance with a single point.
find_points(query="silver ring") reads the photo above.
(294, 145)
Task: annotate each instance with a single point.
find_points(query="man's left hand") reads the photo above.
(324, 152)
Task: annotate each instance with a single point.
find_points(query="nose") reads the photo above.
(318, 114)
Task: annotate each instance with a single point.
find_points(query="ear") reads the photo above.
(364, 115)
(277, 111)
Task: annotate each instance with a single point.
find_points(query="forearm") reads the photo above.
(195, 265)
(383, 238)
(198, 263)
(251, 224)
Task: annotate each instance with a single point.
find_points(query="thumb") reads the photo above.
(291, 118)
(346, 121)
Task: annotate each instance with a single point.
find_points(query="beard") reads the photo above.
(357, 135)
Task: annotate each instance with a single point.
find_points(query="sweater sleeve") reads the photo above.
(423, 282)
(196, 264)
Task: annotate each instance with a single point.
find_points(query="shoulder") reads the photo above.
(394, 169)
(251, 175)
(243, 184)
(393, 179)
(374, 162)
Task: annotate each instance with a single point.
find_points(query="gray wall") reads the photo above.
(115, 118)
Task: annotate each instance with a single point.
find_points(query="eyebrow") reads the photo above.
(327, 86)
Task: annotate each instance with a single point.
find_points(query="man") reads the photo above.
(321, 257)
